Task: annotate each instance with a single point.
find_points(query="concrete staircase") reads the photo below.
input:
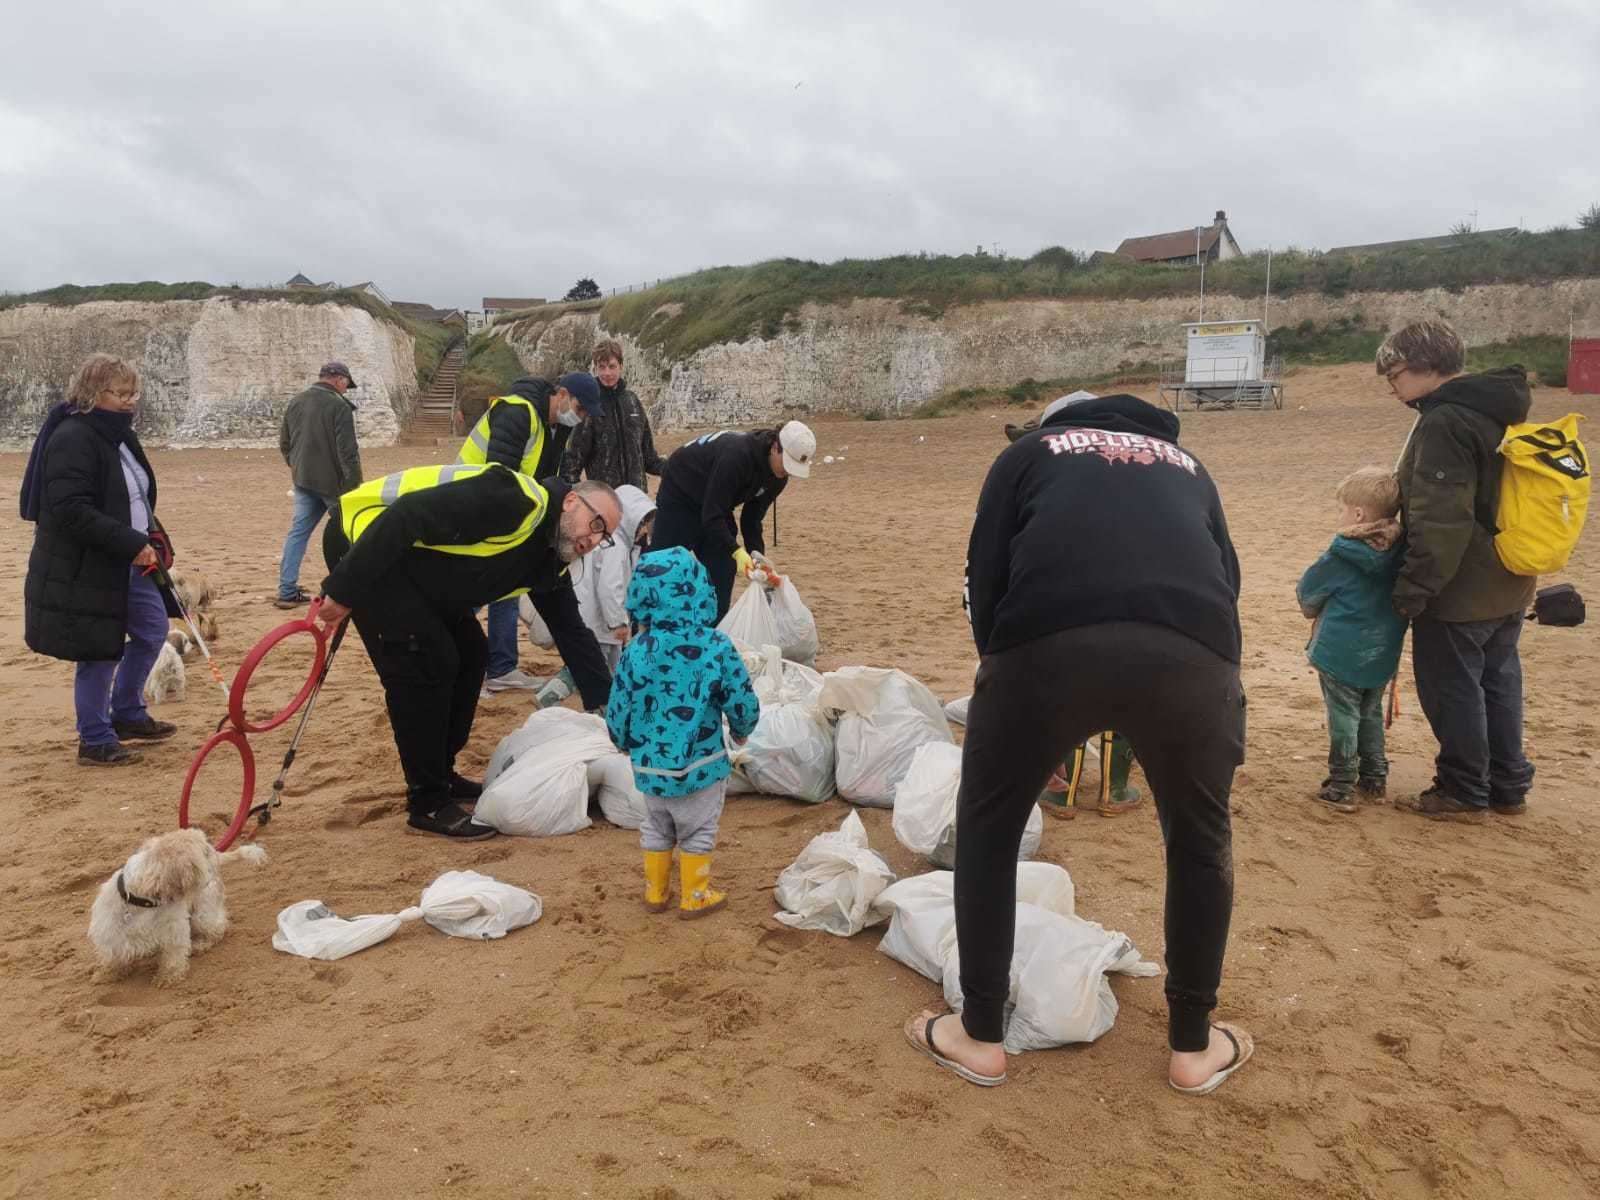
(436, 409)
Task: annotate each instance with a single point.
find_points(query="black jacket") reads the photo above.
(718, 473)
(318, 440)
(462, 513)
(1098, 516)
(509, 428)
(75, 597)
(1449, 477)
(615, 447)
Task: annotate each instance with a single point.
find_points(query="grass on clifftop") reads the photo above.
(724, 304)
(489, 368)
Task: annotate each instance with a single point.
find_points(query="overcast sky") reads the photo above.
(507, 147)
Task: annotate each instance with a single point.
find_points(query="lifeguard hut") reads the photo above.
(1225, 366)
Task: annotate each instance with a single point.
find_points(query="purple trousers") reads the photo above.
(114, 691)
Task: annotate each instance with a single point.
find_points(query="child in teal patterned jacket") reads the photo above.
(677, 679)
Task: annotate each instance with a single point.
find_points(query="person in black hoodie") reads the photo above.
(706, 479)
(1466, 608)
(87, 599)
(1103, 593)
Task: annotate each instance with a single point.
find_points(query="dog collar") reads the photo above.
(129, 897)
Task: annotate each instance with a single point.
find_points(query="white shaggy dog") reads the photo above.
(166, 680)
(166, 903)
(178, 638)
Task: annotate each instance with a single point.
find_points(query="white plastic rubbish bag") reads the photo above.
(925, 807)
(1058, 993)
(832, 884)
(778, 680)
(956, 711)
(750, 622)
(789, 753)
(462, 904)
(537, 784)
(884, 716)
(612, 785)
(797, 628)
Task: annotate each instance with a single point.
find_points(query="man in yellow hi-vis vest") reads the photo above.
(412, 555)
(527, 430)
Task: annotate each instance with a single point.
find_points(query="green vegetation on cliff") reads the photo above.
(722, 304)
(490, 367)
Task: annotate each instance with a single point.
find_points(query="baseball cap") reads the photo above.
(337, 368)
(1061, 402)
(799, 445)
(584, 389)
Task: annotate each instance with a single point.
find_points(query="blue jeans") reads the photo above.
(502, 637)
(308, 510)
(114, 691)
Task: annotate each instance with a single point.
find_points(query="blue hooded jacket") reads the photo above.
(1358, 634)
(676, 679)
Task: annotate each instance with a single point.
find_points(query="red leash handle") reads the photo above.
(247, 790)
(241, 681)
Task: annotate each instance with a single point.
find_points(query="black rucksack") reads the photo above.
(1558, 604)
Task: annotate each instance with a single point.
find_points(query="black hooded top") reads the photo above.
(1098, 516)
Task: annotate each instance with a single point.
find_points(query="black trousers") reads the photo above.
(678, 523)
(1469, 683)
(1182, 708)
(431, 664)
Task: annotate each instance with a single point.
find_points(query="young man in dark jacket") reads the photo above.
(1466, 609)
(411, 557)
(1103, 591)
(616, 446)
(318, 441)
(527, 430)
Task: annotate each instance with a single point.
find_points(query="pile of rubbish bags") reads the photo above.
(773, 616)
(925, 807)
(541, 777)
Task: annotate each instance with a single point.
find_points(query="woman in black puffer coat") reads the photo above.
(92, 493)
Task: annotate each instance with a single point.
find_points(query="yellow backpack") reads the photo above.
(1544, 496)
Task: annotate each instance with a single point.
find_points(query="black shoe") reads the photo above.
(112, 754)
(1438, 806)
(145, 729)
(1372, 790)
(300, 599)
(1336, 797)
(1514, 809)
(462, 788)
(452, 821)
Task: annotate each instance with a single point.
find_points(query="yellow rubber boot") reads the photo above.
(657, 878)
(694, 878)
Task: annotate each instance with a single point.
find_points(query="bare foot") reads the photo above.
(950, 1041)
(1190, 1069)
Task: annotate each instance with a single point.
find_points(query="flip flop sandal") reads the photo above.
(924, 1045)
(1243, 1047)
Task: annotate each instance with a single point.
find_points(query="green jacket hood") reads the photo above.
(1501, 395)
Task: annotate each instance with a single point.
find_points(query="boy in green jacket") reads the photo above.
(1355, 644)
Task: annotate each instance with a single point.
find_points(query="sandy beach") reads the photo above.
(1424, 996)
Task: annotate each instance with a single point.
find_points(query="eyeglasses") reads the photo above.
(121, 394)
(1394, 373)
(598, 525)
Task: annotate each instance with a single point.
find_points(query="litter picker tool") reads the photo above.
(233, 729)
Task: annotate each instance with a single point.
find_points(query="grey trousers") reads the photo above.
(688, 822)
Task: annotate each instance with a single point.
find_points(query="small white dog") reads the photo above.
(167, 679)
(166, 903)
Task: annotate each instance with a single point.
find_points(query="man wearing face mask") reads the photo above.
(411, 557)
(527, 430)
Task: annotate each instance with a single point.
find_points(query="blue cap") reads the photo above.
(585, 389)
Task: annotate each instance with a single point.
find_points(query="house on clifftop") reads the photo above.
(1184, 246)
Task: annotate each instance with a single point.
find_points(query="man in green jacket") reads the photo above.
(1466, 608)
(318, 441)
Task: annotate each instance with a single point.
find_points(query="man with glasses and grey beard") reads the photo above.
(411, 557)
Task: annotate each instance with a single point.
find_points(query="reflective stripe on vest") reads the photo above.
(361, 506)
(476, 448)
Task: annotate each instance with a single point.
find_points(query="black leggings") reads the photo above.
(1182, 708)
(678, 523)
(431, 664)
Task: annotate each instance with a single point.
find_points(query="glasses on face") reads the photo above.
(1394, 373)
(123, 394)
(597, 526)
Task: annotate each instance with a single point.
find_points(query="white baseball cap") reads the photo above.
(799, 445)
(1061, 402)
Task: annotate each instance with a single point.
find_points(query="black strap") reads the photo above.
(129, 897)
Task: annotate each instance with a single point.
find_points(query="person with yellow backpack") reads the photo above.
(1477, 535)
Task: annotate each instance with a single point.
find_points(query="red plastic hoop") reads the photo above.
(238, 741)
(241, 681)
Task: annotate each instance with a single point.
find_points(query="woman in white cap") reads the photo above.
(706, 479)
